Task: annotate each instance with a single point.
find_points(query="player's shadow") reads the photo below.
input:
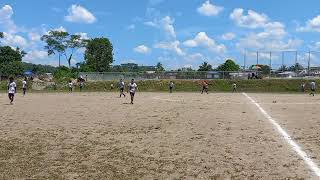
(127, 103)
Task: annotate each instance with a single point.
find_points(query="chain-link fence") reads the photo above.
(111, 76)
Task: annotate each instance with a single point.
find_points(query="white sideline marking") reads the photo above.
(313, 166)
(170, 100)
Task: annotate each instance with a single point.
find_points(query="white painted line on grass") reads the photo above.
(313, 166)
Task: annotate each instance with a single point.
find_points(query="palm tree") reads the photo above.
(205, 66)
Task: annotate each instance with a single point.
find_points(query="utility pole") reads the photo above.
(270, 65)
(244, 60)
(282, 61)
(257, 57)
(309, 59)
(296, 64)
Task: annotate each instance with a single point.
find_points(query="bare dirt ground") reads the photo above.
(161, 136)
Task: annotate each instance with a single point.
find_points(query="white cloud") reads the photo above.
(251, 20)
(228, 36)
(142, 49)
(6, 13)
(33, 36)
(80, 14)
(35, 55)
(82, 35)
(195, 57)
(125, 61)
(131, 27)
(312, 25)
(14, 40)
(272, 37)
(208, 9)
(150, 23)
(166, 24)
(263, 42)
(202, 40)
(315, 46)
(171, 46)
(61, 28)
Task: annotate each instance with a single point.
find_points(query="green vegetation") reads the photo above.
(264, 86)
(63, 44)
(64, 74)
(205, 66)
(98, 55)
(38, 68)
(159, 67)
(11, 61)
(229, 65)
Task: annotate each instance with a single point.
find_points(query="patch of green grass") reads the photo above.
(266, 85)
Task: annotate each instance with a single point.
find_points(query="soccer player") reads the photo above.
(81, 85)
(70, 84)
(132, 89)
(313, 88)
(303, 87)
(234, 87)
(171, 85)
(24, 86)
(12, 89)
(205, 87)
(121, 87)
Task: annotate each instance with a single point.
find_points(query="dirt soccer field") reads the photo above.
(161, 136)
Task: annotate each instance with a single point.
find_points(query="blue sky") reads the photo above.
(178, 33)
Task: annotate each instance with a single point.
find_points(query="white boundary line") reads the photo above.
(170, 100)
(313, 166)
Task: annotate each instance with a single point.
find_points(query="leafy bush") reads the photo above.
(65, 74)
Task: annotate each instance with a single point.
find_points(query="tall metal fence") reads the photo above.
(111, 76)
(277, 59)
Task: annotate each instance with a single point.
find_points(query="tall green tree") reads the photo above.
(11, 61)
(63, 44)
(99, 54)
(296, 67)
(265, 69)
(205, 66)
(229, 65)
(159, 67)
(283, 68)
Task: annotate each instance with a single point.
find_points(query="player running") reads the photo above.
(132, 89)
(234, 87)
(12, 89)
(24, 86)
(171, 86)
(121, 87)
(313, 88)
(205, 87)
(81, 85)
(70, 85)
(303, 87)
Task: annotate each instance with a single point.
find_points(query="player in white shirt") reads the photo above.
(132, 89)
(70, 85)
(313, 88)
(24, 86)
(234, 87)
(12, 89)
(121, 87)
(171, 86)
